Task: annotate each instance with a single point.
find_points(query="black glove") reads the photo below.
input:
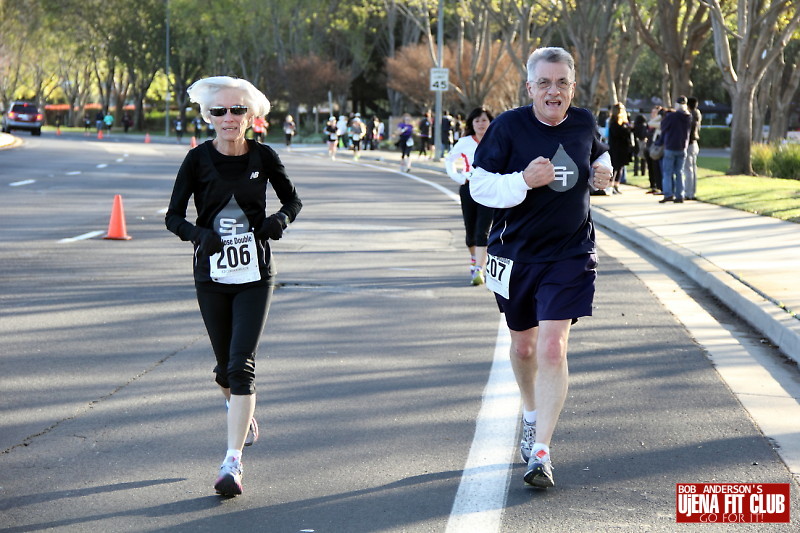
(273, 226)
(208, 242)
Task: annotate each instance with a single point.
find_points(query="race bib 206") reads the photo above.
(238, 261)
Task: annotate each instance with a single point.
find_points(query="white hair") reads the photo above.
(202, 92)
(550, 54)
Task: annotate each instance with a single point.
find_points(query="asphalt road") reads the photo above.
(371, 370)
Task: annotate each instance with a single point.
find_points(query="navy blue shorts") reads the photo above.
(549, 291)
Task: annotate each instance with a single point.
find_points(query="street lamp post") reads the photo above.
(437, 126)
(166, 111)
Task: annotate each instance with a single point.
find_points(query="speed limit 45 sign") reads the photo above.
(440, 79)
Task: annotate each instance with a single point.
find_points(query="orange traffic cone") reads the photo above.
(99, 135)
(147, 137)
(116, 226)
(58, 130)
(194, 142)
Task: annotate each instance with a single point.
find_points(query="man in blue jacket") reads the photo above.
(675, 134)
(536, 165)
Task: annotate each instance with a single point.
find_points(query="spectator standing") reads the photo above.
(381, 129)
(690, 166)
(87, 124)
(99, 121)
(675, 128)
(653, 136)
(640, 137)
(127, 122)
(620, 145)
(447, 132)
(536, 166)
(425, 128)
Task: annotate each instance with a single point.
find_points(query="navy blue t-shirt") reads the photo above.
(553, 222)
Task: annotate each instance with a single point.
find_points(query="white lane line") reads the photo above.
(102, 165)
(73, 173)
(20, 183)
(83, 237)
(481, 495)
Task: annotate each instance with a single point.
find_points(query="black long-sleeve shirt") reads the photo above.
(230, 197)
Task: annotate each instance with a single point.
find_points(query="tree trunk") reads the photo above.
(742, 132)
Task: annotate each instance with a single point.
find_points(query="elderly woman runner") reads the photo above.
(233, 267)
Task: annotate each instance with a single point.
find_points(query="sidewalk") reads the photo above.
(749, 262)
(7, 141)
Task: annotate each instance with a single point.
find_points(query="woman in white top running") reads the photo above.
(477, 217)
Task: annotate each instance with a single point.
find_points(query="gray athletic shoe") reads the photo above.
(528, 438)
(229, 482)
(540, 471)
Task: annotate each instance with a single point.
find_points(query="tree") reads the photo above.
(521, 32)
(479, 62)
(759, 35)
(400, 30)
(309, 78)
(675, 33)
(408, 74)
(779, 88)
(19, 26)
(589, 27)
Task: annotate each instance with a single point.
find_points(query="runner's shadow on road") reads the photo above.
(199, 504)
(9, 503)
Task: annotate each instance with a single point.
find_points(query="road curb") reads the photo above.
(766, 316)
(9, 141)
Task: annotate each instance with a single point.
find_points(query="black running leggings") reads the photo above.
(235, 318)
(477, 218)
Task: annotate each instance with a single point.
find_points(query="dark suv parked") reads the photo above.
(23, 116)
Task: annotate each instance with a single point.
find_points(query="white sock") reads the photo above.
(529, 416)
(540, 446)
(235, 454)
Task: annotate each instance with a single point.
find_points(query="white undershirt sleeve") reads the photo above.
(497, 190)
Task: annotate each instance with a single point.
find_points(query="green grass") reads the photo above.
(773, 197)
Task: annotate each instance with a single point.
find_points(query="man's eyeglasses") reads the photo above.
(219, 111)
(561, 85)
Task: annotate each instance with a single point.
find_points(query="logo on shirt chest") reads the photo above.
(566, 171)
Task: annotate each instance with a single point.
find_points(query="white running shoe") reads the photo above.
(229, 482)
(540, 471)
